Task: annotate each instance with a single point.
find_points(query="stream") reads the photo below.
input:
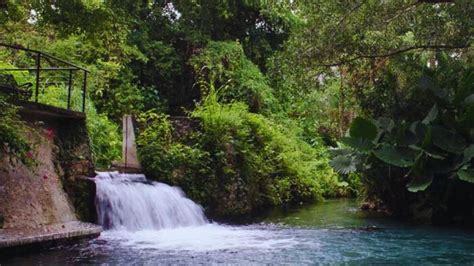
(153, 223)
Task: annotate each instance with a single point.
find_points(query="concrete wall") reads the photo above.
(55, 190)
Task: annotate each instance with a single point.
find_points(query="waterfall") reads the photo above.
(130, 202)
(147, 215)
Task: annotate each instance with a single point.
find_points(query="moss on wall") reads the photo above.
(75, 160)
(71, 155)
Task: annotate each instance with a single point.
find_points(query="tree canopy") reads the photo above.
(272, 82)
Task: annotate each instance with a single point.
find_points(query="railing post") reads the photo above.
(84, 89)
(69, 89)
(38, 65)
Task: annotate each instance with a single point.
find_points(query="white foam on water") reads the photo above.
(208, 237)
(157, 216)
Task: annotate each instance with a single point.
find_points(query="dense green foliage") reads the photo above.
(388, 61)
(225, 65)
(253, 148)
(236, 162)
(13, 140)
(77, 48)
(267, 85)
(164, 158)
(440, 143)
(105, 140)
(432, 153)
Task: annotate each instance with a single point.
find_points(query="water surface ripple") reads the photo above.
(332, 232)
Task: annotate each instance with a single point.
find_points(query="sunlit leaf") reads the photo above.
(338, 151)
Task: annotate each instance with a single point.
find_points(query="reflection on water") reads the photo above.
(330, 232)
(341, 213)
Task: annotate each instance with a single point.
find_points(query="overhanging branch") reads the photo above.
(392, 53)
(435, 1)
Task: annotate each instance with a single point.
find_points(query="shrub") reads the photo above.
(12, 133)
(270, 163)
(237, 162)
(165, 159)
(404, 159)
(105, 140)
(225, 65)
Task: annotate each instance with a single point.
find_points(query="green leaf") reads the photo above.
(434, 156)
(429, 154)
(420, 183)
(466, 175)
(422, 133)
(393, 156)
(405, 137)
(339, 151)
(344, 164)
(432, 115)
(441, 93)
(414, 127)
(418, 165)
(363, 128)
(342, 184)
(414, 147)
(427, 83)
(358, 144)
(385, 124)
(448, 140)
(466, 118)
(469, 100)
(441, 167)
(427, 137)
(468, 154)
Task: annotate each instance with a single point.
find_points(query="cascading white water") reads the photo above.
(126, 201)
(152, 215)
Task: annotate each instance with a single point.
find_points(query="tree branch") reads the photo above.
(392, 53)
(350, 12)
(435, 1)
(402, 12)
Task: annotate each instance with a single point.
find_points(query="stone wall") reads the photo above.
(75, 161)
(56, 189)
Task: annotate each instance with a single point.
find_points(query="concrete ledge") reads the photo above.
(129, 169)
(19, 238)
(43, 110)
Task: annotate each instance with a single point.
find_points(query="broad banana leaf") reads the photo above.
(363, 128)
(394, 156)
(420, 183)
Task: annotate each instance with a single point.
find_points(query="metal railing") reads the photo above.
(41, 57)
